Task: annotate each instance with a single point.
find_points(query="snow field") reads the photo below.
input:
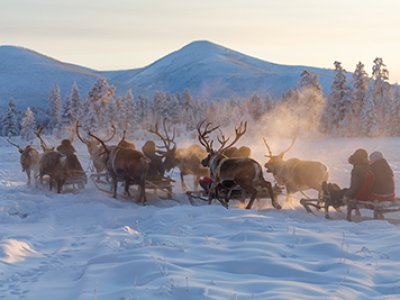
(89, 246)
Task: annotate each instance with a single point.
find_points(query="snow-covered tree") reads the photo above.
(255, 107)
(308, 103)
(28, 125)
(360, 88)
(186, 110)
(129, 111)
(99, 98)
(338, 113)
(55, 106)
(10, 120)
(160, 109)
(378, 112)
(310, 80)
(395, 120)
(75, 103)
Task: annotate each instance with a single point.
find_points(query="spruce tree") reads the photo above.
(55, 108)
(28, 125)
(339, 106)
(75, 103)
(99, 98)
(360, 88)
(10, 120)
(382, 98)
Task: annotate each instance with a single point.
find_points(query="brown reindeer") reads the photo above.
(295, 174)
(55, 165)
(188, 160)
(96, 151)
(29, 160)
(128, 165)
(243, 172)
(52, 163)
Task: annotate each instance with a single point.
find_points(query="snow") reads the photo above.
(88, 245)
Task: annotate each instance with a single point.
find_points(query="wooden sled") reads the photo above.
(76, 180)
(164, 184)
(226, 192)
(379, 208)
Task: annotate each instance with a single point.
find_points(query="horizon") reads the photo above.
(122, 35)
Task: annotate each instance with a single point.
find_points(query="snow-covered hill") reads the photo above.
(27, 76)
(91, 246)
(211, 71)
(208, 70)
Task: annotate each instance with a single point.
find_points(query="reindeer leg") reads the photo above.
(114, 187)
(270, 189)
(183, 183)
(252, 198)
(50, 183)
(28, 173)
(143, 192)
(127, 188)
(326, 207)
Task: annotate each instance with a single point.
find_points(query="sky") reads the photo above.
(126, 34)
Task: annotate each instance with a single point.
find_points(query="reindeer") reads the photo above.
(52, 163)
(96, 151)
(29, 160)
(186, 159)
(55, 165)
(295, 174)
(124, 164)
(243, 172)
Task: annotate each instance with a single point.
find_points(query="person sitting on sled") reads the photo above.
(362, 177)
(383, 186)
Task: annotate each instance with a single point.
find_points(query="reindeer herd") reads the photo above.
(227, 167)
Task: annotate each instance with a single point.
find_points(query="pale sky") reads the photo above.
(125, 34)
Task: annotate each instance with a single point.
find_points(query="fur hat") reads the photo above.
(374, 156)
(358, 157)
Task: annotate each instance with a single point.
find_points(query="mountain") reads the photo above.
(27, 76)
(211, 71)
(208, 70)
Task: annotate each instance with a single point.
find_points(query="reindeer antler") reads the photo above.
(106, 140)
(165, 138)
(77, 125)
(284, 151)
(19, 148)
(239, 132)
(291, 144)
(86, 141)
(101, 142)
(43, 144)
(204, 135)
(269, 149)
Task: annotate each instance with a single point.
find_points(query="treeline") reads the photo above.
(362, 106)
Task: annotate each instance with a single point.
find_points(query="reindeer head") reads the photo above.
(275, 161)
(169, 153)
(93, 144)
(29, 156)
(204, 139)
